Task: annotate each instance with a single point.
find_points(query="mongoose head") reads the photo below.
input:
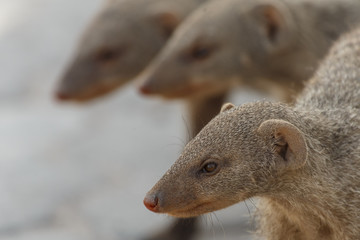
(119, 43)
(241, 153)
(220, 43)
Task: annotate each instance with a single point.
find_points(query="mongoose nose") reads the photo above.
(151, 202)
(62, 96)
(145, 89)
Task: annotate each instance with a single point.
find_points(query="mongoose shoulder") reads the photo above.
(120, 41)
(302, 161)
(271, 45)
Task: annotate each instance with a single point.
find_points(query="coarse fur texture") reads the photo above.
(121, 40)
(302, 161)
(270, 45)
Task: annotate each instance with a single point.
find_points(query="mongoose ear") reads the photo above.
(226, 106)
(287, 141)
(168, 21)
(273, 23)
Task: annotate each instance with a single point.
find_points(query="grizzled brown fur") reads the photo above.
(302, 161)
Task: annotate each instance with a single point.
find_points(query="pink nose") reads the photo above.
(151, 203)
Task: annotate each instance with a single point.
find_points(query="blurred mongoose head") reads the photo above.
(270, 45)
(240, 154)
(119, 43)
(217, 43)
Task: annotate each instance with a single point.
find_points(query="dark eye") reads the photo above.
(209, 167)
(201, 53)
(106, 55)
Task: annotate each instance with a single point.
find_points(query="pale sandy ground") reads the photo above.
(70, 172)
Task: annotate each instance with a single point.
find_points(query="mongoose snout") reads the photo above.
(164, 198)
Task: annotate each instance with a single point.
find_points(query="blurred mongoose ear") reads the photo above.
(272, 23)
(287, 141)
(168, 21)
(226, 106)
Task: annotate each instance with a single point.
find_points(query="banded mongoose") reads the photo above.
(302, 161)
(270, 45)
(118, 44)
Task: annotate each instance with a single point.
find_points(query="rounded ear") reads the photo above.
(273, 23)
(168, 21)
(287, 141)
(226, 106)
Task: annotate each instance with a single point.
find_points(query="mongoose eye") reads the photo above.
(200, 53)
(210, 167)
(106, 55)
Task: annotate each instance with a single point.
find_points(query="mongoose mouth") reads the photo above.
(194, 211)
(153, 202)
(89, 93)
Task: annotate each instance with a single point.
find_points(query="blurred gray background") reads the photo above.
(70, 171)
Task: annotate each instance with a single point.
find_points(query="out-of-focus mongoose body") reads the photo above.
(119, 43)
(302, 161)
(270, 45)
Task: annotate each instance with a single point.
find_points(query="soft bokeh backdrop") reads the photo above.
(70, 171)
